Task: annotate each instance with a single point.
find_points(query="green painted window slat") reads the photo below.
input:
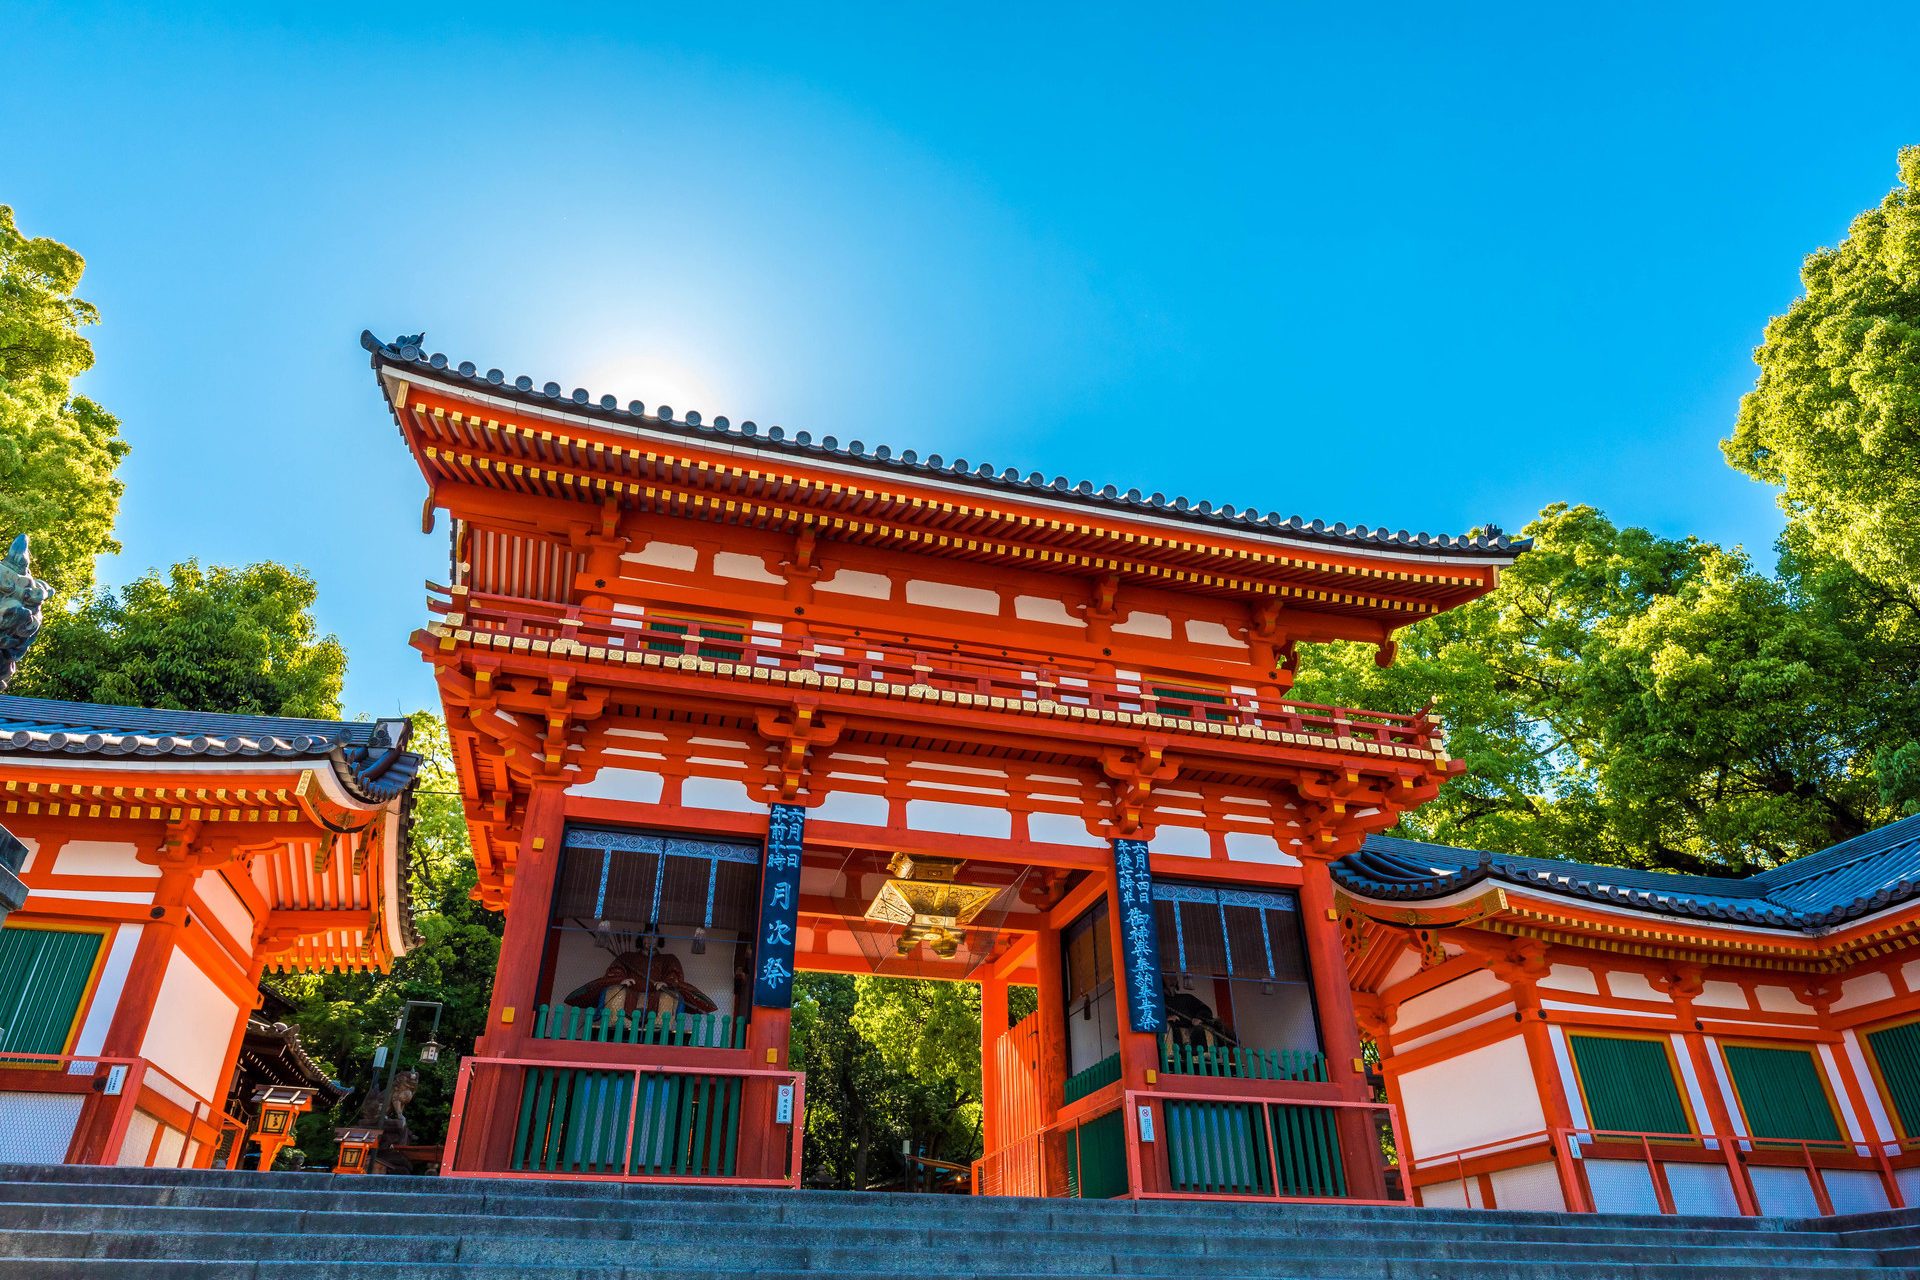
(1781, 1093)
(1094, 1078)
(704, 1031)
(1629, 1085)
(1896, 1051)
(43, 978)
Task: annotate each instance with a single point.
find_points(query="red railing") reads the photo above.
(108, 1111)
(1573, 1151)
(1052, 1161)
(558, 1118)
(1027, 682)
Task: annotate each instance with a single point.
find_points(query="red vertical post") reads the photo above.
(492, 1103)
(993, 1025)
(1052, 1015)
(523, 943)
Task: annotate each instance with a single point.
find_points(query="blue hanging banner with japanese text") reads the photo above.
(1139, 936)
(779, 908)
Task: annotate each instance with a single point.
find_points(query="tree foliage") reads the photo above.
(887, 1060)
(1835, 416)
(1630, 699)
(217, 639)
(345, 1017)
(58, 451)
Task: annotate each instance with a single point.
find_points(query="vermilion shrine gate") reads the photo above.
(729, 703)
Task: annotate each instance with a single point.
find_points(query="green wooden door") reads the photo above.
(1896, 1051)
(1629, 1084)
(1781, 1092)
(1097, 1158)
(44, 975)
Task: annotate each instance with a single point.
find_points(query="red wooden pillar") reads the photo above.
(1340, 1032)
(993, 1025)
(523, 943)
(1051, 988)
(492, 1103)
(133, 1014)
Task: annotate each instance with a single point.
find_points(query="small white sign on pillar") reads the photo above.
(783, 1105)
(1146, 1123)
(116, 1080)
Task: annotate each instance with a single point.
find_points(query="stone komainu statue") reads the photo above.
(21, 595)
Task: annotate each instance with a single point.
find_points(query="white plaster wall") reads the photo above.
(1780, 1000)
(1721, 995)
(732, 564)
(851, 806)
(1256, 846)
(1182, 842)
(33, 852)
(951, 595)
(1571, 977)
(664, 555)
(1865, 989)
(852, 582)
(1498, 1013)
(1627, 984)
(101, 858)
(1062, 828)
(193, 1020)
(1484, 1095)
(1045, 609)
(638, 785)
(719, 793)
(106, 992)
(1157, 625)
(959, 819)
(224, 905)
(1470, 988)
(1200, 631)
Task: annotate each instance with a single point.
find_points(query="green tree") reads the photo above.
(58, 451)
(1835, 416)
(217, 639)
(1629, 699)
(345, 1017)
(888, 1060)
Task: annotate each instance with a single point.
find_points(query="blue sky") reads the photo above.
(1422, 268)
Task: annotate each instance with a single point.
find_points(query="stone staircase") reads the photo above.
(142, 1224)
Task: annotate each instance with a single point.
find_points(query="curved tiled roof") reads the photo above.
(406, 352)
(1842, 883)
(369, 757)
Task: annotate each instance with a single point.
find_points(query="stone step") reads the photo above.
(880, 1229)
(478, 1194)
(1358, 1267)
(1038, 1256)
(204, 1225)
(560, 1200)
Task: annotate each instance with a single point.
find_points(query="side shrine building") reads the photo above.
(170, 858)
(729, 704)
(1600, 1038)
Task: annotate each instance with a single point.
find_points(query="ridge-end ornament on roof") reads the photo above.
(1487, 542)
(21, 598)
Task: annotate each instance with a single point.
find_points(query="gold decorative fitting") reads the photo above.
(930, 908)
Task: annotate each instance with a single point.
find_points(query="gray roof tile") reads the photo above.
(406, 351)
